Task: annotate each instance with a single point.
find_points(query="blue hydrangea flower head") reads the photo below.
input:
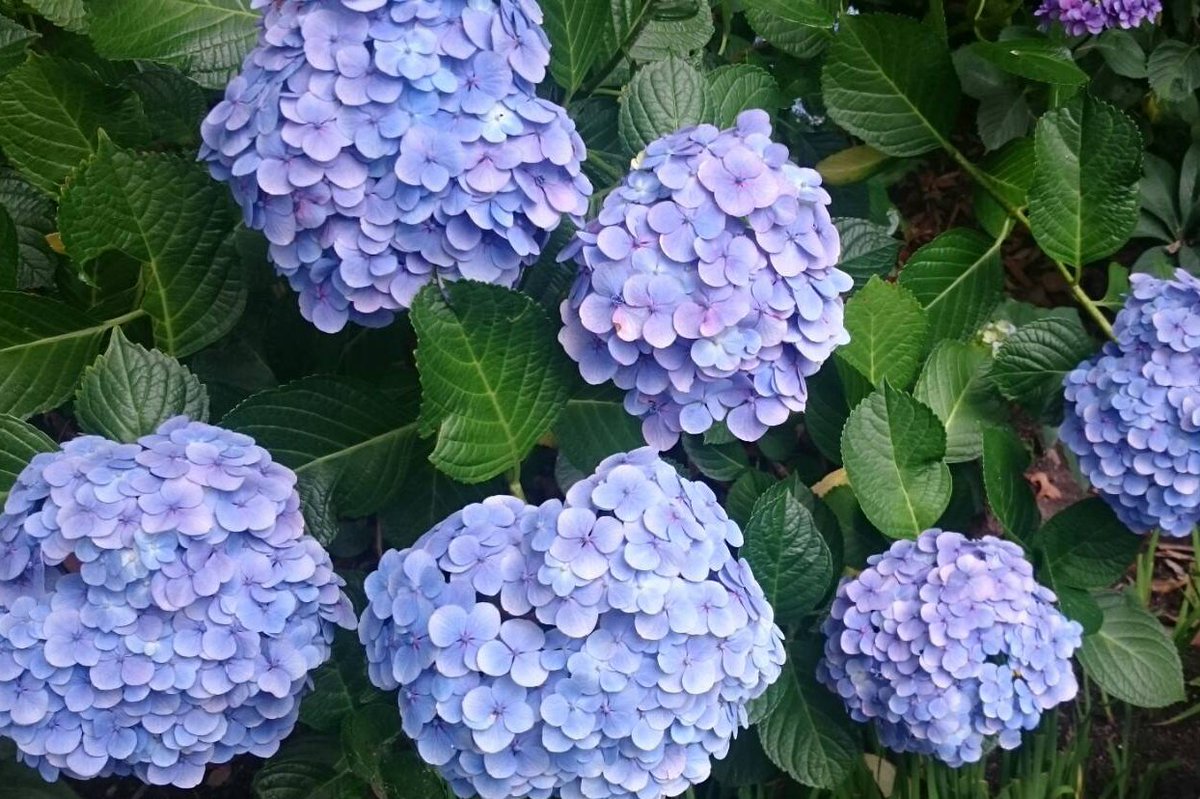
(1133, 410)
(380, 144)
(1083, 17)
(948, 645)
(602, 646)
(707, 288)
(160, 605)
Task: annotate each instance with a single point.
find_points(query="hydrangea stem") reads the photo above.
(514, 483)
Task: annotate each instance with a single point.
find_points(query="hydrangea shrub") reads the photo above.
(160, 606)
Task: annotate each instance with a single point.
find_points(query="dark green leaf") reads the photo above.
(1005, 460)
(893, 448)
(868, 249)
(1009, 171)
(130, 391)
(888, 333)
(595, 425)
(1083, 202)
(1032, 362)
(954, 386)
(1131, 657)
(1078, 605)
(1174, 70)
(1037, 59)
(308, 768)
(745, 491)
(735, 88)
(68, 14)
(173, 103)
(663, 27)
(425, 498)
(14, 42)
(32, 213)
(493, 377)
(165, 212)
(404, 775)
(1003, 116)
(1086, 545)
(662, 98)
(575, 28)
(22, 782)
(1122, 53)
(724, 462)
(889, 80)
(958, 278)
(19, 442)
(340, 687)
(788, 14)
(827, 411)
(790, 558)
(10, 253)
(801, 41)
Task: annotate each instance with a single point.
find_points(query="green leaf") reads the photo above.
(1009, 172)
(1131, 657)
(663, 28)
(403, 775)
(1005, 460)
(575, 28)
(888, 332)
(44, 348)
(800, 40)
(493, 376)
(958, 278)
(19, 442)
(893, 448)
(367, 736)
(426, 497)
(10, 252)
(851, 165)
(349, 444)
(32, 213)
(1118, 287)
(868, 249)
(808, 733)
(207, 39)
(953, 384)
(308, 768)
(174, 104)
(827, 410)
(50, 113)
(662, 98)
(68, 14)
(1122, 52)
(594, 425)
(735, 88)
(1078, 605)
(1037, 59)
(340, 687)
(724, 462)
(168, 214)
(1174, 70)
(1032, 362)
(1003, 116)
(1086, 546)
(1083, 202)
(889, 80)
(129, 391)
(14, 43)
(22, 782)
(744, 493)
(787, 553)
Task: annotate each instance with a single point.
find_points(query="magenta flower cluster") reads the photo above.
(707, 289)
(160, 605)
(1082, 17)
(1133, 410)
(948, 645)
(605, 646)
(383, 144)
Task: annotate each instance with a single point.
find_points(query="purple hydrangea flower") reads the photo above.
(708, 289)
(948, 644)
(1133, 409)
(182, 635)
(616, 656)
(1083, 17)
(382, 144)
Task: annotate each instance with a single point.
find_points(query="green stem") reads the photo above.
(514, 483)
(1145, 571)
(726, 25)
(635, 30)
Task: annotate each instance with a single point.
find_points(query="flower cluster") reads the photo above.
(160, 605)
(708, 289)
(382, 143)
(1133, 410)
(948, 644)
(1081, 17)
(605, 646)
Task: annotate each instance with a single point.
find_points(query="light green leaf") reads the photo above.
(662, 98)
(787, 553)
(68, 14)
(893, 448)
(1086, 546)
(888, 333)
(807, 733)
(1117, 289)
(735, 88)
(32, 213)
(799, 40)
(889, 80)
(958, 278)
(1005, 460)
(593, 425)
(129, 391)
(659, 28)
(851, 165)
(44, 348)
(575, 28)
(493, 377)
(1037, 59)
(1122, 52)
(1131, 657)
(14, 43)
(1174, 70)
(165, 212)
(1009, 171)
(1032, 362)
(954, 385)
(349, 444)
(868, 249)
(50, 112)
(1083, 202)
(723, 462)
(207, 39)
(19, 442)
